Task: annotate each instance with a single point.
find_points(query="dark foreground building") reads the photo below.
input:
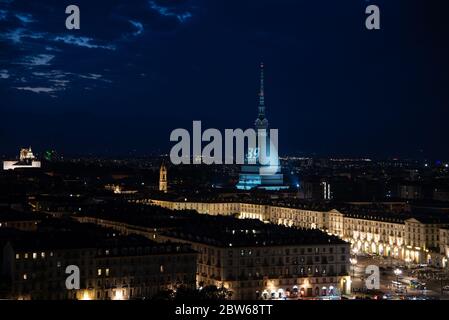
(111, 266)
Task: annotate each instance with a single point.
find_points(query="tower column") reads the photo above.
(163, 184)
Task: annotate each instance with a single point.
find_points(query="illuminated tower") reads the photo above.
(257, 175)
(163, 185)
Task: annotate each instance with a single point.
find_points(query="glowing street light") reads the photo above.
(86, 295)
(397, 272)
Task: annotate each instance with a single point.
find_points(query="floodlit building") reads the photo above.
(27, 160)
(411, 238)
(255, 174)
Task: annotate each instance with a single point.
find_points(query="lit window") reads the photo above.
(42, 255)
(162, 268)
(26, 255)
(34, 255)
(99, 272)
(25, 276)
(58, 264)
(17, 256)
(106, 272)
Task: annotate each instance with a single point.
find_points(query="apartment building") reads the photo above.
(113, 267)
(411, 238)
(256, 260)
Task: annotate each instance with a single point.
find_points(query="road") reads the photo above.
(387, 275)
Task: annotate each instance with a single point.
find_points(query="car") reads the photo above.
(416, 298)
(423, 265)
(421, 287)
(399, 291)
(446, 288)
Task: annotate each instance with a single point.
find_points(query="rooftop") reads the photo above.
(7, 214)
(57, 234)
(231, 232)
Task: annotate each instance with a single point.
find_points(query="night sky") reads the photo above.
(139, 69)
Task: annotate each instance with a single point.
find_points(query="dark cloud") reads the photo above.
(36, 31)
(139, 68)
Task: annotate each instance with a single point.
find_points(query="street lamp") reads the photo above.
(397, 272)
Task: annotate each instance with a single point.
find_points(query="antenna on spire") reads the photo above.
(262, 93)
(261, 121)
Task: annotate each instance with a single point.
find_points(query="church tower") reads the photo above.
(163, 184)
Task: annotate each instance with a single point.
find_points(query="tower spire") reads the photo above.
(261, 121)
(262, 93)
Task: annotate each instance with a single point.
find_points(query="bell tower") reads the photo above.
(163, 184)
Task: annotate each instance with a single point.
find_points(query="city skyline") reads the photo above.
(132, 74)
(223, 158)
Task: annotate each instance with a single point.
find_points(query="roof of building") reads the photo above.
(381, 217)
(115, 245)
(231, 232)
(7, 215)
(59, 234)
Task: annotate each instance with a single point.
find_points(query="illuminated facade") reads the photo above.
(257, 175)
(413, 240)
(253, 263)
(163, 183)
(444, 246)
(27, 160)
(265, 268)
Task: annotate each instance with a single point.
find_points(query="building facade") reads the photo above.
(119, 270)
(27, 160)
(293, 267)
(413, 240)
